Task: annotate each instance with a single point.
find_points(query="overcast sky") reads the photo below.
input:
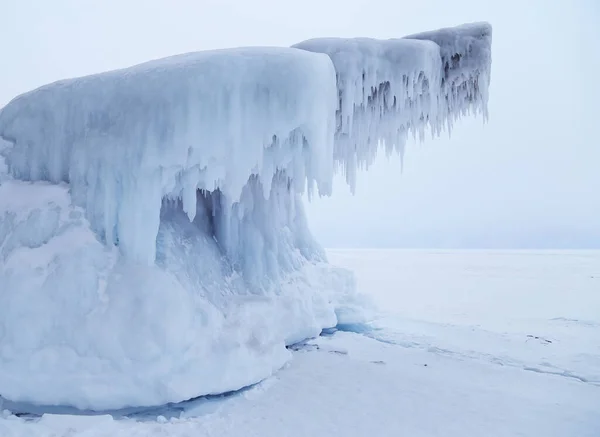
(528, 178)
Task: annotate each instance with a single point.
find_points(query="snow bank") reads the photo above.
(153, 241)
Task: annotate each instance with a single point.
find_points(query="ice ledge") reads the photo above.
(126, 139)
(388, 89)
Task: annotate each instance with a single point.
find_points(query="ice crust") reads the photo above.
(153, 242)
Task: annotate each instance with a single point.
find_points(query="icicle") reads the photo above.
(424, 81)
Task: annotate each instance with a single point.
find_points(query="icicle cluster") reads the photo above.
(388, 89)
(126, 139)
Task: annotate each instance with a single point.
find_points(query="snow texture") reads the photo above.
(153, 241)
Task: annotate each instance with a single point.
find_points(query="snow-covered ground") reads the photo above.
(470, 343)
(538, 311)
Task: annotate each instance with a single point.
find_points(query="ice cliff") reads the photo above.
(153, 243)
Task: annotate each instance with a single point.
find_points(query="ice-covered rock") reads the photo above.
(153, 242)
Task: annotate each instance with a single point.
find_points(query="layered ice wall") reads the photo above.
(153, 243)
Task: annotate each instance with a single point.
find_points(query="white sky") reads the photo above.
(529, 178)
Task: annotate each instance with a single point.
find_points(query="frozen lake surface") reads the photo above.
(467, 343)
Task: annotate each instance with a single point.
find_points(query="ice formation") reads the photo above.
(388, 89)
(153, 243)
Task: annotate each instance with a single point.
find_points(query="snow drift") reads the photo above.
(153, 243)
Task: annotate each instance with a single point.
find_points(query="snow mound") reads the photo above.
(153, 241)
